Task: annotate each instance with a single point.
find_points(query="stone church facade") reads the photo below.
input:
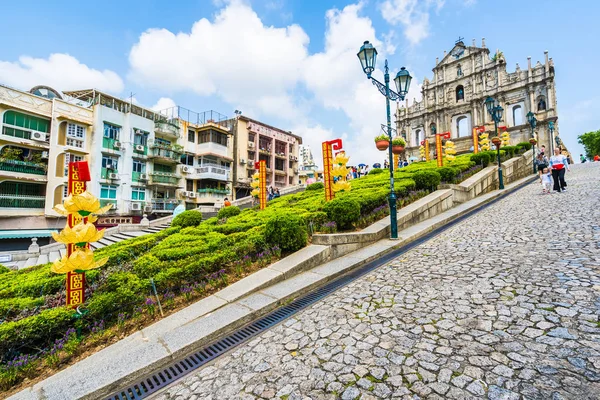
(454, 100)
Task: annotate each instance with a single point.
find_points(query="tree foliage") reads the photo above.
(591, 143)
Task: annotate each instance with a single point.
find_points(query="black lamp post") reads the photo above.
(495, 111)
(367, 56)
(532, 123)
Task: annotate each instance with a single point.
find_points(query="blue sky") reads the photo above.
(291, 63)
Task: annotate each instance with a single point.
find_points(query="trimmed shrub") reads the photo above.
(447, 173)
(315, 186)
(481, 159)
(228, 212)
(510, 150)
(3, 269)
(427, 180)
(524, 145)
(343, 211)
(187, 218)
(286, 230)
(375, 171)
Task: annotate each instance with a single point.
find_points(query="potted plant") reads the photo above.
(398, 145)
(382, 142)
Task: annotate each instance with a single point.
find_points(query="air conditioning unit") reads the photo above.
(187, 169)
(112, 175)
(139, 147)
(38, 136)
(110, 166)
(295, 158)
(144, 177)
(44, 154)
(117, 145)
(136, 206)
(113, 206)
(147, 208)
(192, 195)
(250, 144)
(243, 161)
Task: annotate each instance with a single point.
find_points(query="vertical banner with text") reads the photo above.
(79, 174)
(438, 147)
(427, 156)
(476, 131)
(261, 167)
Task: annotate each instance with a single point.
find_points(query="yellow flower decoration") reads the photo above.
(256, 176)
(81, 259)
(80, 234)
(255, 192)
(341, 159)
(83, 204)
(341, 186)
(340, 171)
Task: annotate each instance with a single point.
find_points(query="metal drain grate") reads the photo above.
(160, 379)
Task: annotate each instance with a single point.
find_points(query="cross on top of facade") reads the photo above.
(460, 39)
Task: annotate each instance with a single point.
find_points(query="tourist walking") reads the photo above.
(546, 179)
(559, 165)
(541, 162)
(582, 158)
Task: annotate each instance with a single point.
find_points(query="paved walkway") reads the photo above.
(503, 305)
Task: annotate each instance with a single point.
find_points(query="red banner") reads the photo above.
(79, 174)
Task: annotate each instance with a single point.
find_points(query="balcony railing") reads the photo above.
(164, 205)
(213, 191)
(163, 178)
(23, 167)
(112, 144)
(213, 171)
(166, 128)
(15, 201)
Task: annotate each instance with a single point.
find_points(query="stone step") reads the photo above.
(21, 264)
(135, 234)
(30, 262)
(53, 256)
(120, 237)
(106, 241)
(96, 245)
(43, 259)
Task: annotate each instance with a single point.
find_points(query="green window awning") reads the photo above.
(26, 233)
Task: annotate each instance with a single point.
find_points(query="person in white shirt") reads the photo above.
(559, 164)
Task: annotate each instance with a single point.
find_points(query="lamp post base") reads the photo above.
(393, 216)
(500, 179)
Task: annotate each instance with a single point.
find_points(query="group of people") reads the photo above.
(356, 172)
(552, 170)
(583, 158)
(273, 193)
(401, 163)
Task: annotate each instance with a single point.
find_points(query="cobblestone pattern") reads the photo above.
(503, 305)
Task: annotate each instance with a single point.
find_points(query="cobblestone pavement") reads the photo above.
(503, 305)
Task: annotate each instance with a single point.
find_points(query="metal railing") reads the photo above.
(15, 201)
(164, 177)
(164, 205)
(24, 167)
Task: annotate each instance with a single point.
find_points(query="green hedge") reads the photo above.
(375, 171)
(447, 174)
(187, 218)
(524, 145)
(481, 159)
(228, 212)
(286, 230)
(345, 211)
(315, 186)
(427, 180)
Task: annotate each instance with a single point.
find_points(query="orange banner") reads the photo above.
(78, 175)
(476, 131)
(327, 166)
(427, 150)
(438, 150)
(261, 167)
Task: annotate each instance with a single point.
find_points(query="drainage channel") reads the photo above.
(163, 377)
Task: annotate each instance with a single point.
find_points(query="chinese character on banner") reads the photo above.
(328, 148)
(81, 209)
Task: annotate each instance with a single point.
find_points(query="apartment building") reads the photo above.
(40, 133)
(256, 141)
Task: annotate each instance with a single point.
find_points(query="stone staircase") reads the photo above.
(58, 250)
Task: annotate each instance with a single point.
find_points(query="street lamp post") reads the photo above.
(532, 123)
(551, 127)
(495, 111)
(368, 56)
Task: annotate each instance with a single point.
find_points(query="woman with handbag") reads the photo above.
(559, 165)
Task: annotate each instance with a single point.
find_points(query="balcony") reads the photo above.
(111, 144)
(164, 206)
(18, 201)
(213, 191)
(136, 176)
(166, 129)
(106, 173)
(213, 148)
(212, 171)
(168, 154)
(140, 150)
(23, 167)
(280, 172)
(163, 179)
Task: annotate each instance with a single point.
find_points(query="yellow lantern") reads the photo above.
(450, 150)
(340, 170)
(82, 204)
(80, 234)
(484, 141)
(82, 259)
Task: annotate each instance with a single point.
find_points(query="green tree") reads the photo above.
(591, 143)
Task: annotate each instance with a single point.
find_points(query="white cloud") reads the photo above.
(60, 71)
(235, 57)
(164, 103)
(412, 15)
